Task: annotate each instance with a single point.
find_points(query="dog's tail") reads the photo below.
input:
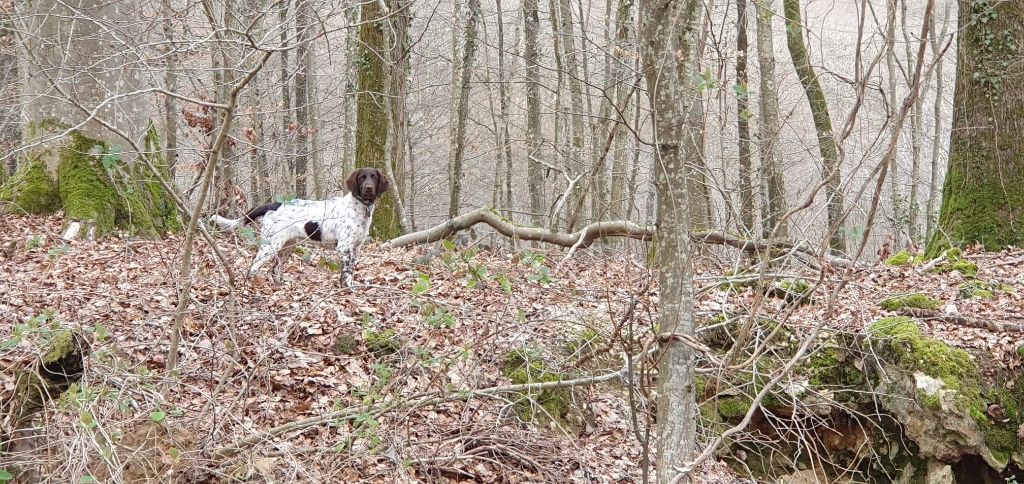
(249, 217)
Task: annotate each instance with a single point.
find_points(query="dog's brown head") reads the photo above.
(367, 184)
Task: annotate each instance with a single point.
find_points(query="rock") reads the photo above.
(939, 473)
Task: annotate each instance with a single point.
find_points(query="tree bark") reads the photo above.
(916, 125)
(74, 162)
(535, 170)
(503, 94)
(462, 109)
(303, 127)
(743, 121)
(773, 184)
(372, 115)
(822, 123)
(567, 43)
(400, 50)
(983, 196)
(10, 109)
(669, 37)
(933, 186)
(624, 34)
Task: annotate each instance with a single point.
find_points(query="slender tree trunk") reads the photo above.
(624, 34)
(303, 127)
(916, 126)
(983, 196)
(822, 123)
(170, 84)
(286, 97)
(462, 111)
(774, 200)
(890, 65)
(535, 170)
(933, 185)
(503, 94)
(567, 43)
(662, 50)
(372, 114)
(401, 20)
(260, 183)
(743, 120)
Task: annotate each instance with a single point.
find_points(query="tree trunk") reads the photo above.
(773, 183)
(171, 85)
(503, 94)
(983, 196)
(287, 127)
(743, 121)
(462, 110)
(86, 171)
(916, 125)
(567, 43)
(620, 56)
(372, 116)
(535, 170)
(822, 123)
(933, 185)
(401, 20)
(303, 127)
(10, 109)
(669, 35)
(890, 65)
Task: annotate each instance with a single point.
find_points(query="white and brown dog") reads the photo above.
(341, 223)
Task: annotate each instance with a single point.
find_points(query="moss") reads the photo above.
(61, 345)
(382, 342)
(733, 407)
(586, 339)
(901, 258)
(912, 350)
(1002, 442)
(965, 267)
(84, 187)
(916, 300)
(32, 190)
(830, 367)
(524, 366)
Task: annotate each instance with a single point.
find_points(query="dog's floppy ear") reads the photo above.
(353, 182)
(382, 182)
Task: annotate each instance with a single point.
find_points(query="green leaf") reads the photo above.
(88, 420)
(87, 479)
(111, 158)
(101, 332)
(448, 244)
(422, 284)
(6, 476)
(505, 283)
(157, 416)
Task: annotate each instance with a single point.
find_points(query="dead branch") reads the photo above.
(586, 236)
(929, 314)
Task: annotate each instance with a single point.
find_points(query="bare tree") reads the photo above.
(535, 169)
(773, 201)
(832, 172)
(933, 185)
(670, 36)
(743, 116)
(303, 89)
(462, 108)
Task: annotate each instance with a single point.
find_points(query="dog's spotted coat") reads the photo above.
(341, 223)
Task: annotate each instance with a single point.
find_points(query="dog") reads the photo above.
(341, 223)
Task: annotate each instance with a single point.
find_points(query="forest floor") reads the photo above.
(407, 361)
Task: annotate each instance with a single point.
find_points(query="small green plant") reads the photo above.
(422, 284)
(35, 242)
(56, 252)
(382, 342)
(6, 476)
(441, 318)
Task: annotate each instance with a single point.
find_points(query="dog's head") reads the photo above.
(367, 184)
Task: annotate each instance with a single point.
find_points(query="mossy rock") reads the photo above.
(912, 301)
(956, 262)
(383, 342)
(31, 190)
(901, 258)
(525, 366)
(912, 350)
(733, 407)
(832, 367)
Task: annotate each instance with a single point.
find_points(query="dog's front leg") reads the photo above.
(348, 262)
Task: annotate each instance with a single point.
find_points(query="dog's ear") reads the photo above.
(382, 182)
(353, 182)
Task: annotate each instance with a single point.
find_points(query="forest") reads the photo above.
(601, 241)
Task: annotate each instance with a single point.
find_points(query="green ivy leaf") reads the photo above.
(6, 476)
(157, 416)
(422, 284)
(101, 332)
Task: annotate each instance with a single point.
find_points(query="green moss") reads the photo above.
(382, 342)
(586, 339)
(916, 300)
(32, 190)
(965, 267)
(901, 258)
(797, 286)
(733, 407)
(84, 187)
(912, 350)
(61, 344)
(524, 366)
(1002, 442)
(830, 367)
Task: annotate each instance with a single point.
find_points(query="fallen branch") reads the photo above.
(929, 314)
(586, 236)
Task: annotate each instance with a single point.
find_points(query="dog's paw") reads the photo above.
(347, 281)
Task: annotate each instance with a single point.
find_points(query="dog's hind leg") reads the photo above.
(282, 257)
(268, 250)
(348, 261)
